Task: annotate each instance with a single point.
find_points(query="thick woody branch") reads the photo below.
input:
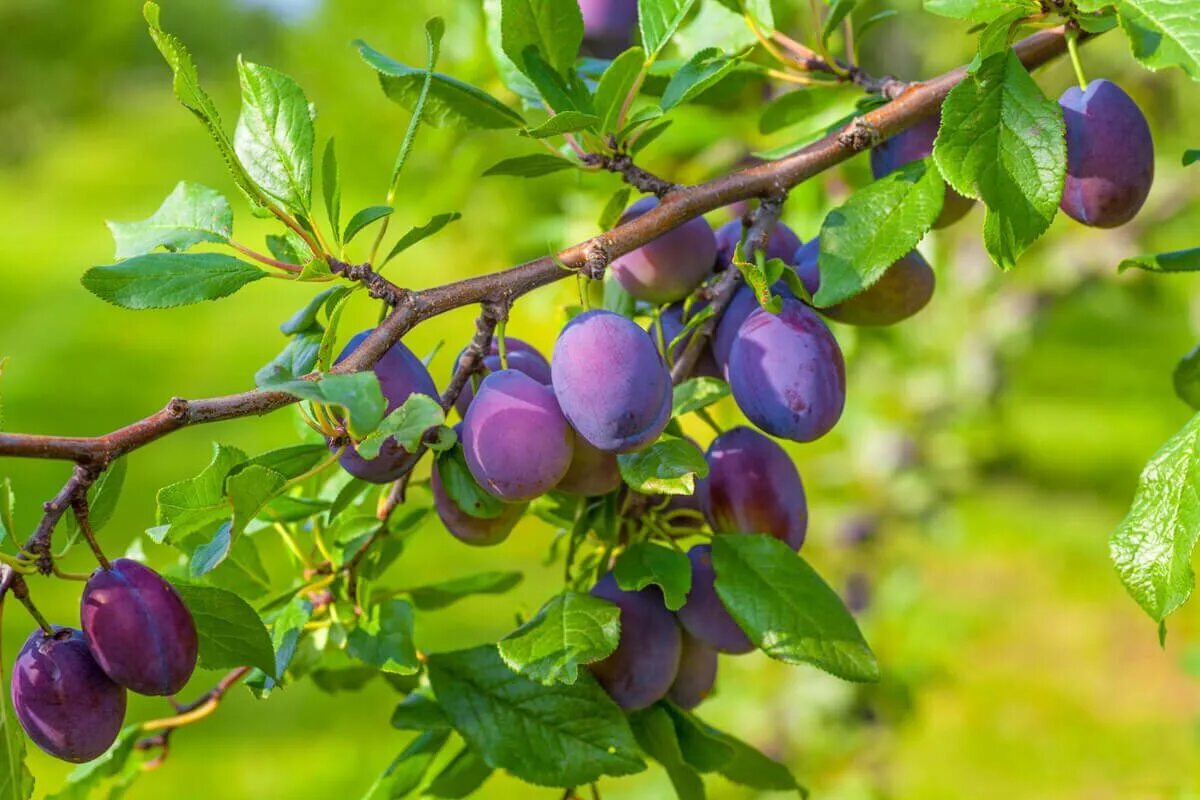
(916, 103)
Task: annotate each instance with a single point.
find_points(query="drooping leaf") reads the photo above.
(697, 393)
(669, 466)
(435, 28)
(408, 770)
(297, 358)
(877, 226)
(560, 735)
(1162, 33)
(553, 27)
(433, 596)
(383, 638)
(703, 71)
(407, 425)
(420, 712)
(785, 607)
(1176, 261)
(646, 563)
(231, 633)
(286, 629)
(465, 773)
(655, 733)
(1002, 141)
(165, 280)
(658, 21)
(533, 165)
(420, 232)
(191, 214)
(572, 629)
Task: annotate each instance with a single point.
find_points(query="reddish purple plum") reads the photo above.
(400, 374)
(697, 673)
(914, 144)
(139, 630)
(1110, 155)
(672, 322)
(787, 373)
(782, 243)
(592, 472)
(642, 669)
(611, 382)
(753, 487)
(475, 531)
(669, 267)
(522, 357)
(608, 25)
(903, 290)
(63, 700)
(703, 616)
(516, 441)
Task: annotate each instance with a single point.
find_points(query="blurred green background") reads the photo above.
(994, 440)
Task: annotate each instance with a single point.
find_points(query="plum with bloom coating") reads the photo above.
(668, 268)
(522, 357)
(905, 288)
(704, 616)
(642, 669)
(697, 673)
(914, 144)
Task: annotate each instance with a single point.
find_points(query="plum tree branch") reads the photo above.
(915, 103)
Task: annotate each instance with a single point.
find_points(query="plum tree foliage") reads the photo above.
(670, 553)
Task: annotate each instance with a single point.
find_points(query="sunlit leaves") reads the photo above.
(165, 280)
(190, 214)
(658, 21)
(571, 630)
(553, 27)
(230, 632)
(274, 135)
(669, 466)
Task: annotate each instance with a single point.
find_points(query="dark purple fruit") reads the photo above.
(139, 630)
(516, 441)
(1110, 155)
(63, 700)
(914, 144)
(400, 374)
(671, 266)
(903, 290)
(703, 616)
(608, 25)
(697, 673)
(787, 373)
(611, 382)
(753, 487)
(641, 670)
(592, 471)
(476, 531)
(521, 356)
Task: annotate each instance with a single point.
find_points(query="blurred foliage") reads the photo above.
(991, 443)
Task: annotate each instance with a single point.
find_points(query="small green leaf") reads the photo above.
(1177, 261)
(669, 466)
(231, 633)
(451, 102)
(786, 609)
(408, 770)
(1187, 379)
(1190, 157)
(553, 27)
(817, 107)
(572, 629)
(297, 359)
(364, 218)
(384, 638)
(838, 10)
(711, 750)
(876, 227)
(357, 393)
(406, 425)
(561, 735)
(191, 214)
(420, 232)
(190, 505)
(705, 70)
(1152, 547)
(460, 778)
(1001, 140)
(697, 393)
(286, 630)
(420, 712)
(444, 593)
(566, 122)
(611, 214)
(8, 503)
(88, 778)
(655, 733)
(165, 280)
(615, 85)
(658, 21)
(274, 135)
(646, 563)
(331, 187)
(462, 488)
(534, 165)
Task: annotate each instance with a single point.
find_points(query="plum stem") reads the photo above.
(80, 506)
(501, 346)
(20, 590)
(1073, 51)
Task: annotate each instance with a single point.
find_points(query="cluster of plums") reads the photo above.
(68, 686)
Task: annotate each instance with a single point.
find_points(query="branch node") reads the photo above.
(860, 135)
(379, 287)
(177, 407)
(596, 258)
(640, 179)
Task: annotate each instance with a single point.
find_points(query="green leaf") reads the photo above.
(419, 712)
(609, 218)
(1162, 33)
(435, 29)
(705, 70)
(746, 766)
(407, 424)
(408, 770)
(287, 248)
(462, 488)
(364, 218)
(1001, 140)
(838, 10)
(8, 503)
(286, 630)
(88, 778)
(191, 214)
(290, 462)
(186, 85)
(461, 777)
(973, 10)
(615, 85)
(384, 638)
(451, 102)
(701, 745)
(786, 609)
(420, 232)
(231, 633)
(553, 27)
(331, 188)
(561, 735)
(102, 502)
(274, 135)
(645, 563)
(433, 596)
(566, 122)
(1187, 379)
(1190, 157)
(165, 280)
(357, 393)
(531, 166)
(697, 393)
(655, 733)
(817, 107)
(190, 505)
(876, 227)
(658, 21)
(1177, 261)
(572, 629)
(1152, 547)
(297, 359)
(669, 466)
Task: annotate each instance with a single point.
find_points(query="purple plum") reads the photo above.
(476, 531)
(669, 267)
(608, 25)
(592, 471)
(521, 356)
(903, 290)
(697, 673)
(703, 616)
(914, 144)
(642, 669)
